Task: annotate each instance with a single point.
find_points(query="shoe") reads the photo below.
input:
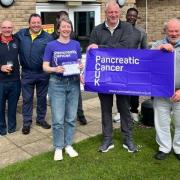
(106, 146)
(11, 131)
(70, 151)
(177, 156)
(135, 117)
(58, 155)
(116, 118)
(129, 145)
(160, 155)
(43, 124)
(26, 129)
(3, 133)
(82, 120)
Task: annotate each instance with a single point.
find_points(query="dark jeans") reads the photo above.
(134, 104)
(122, 101)
(9, 92)
(30, 81)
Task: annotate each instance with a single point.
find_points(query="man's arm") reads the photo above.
(143, 44)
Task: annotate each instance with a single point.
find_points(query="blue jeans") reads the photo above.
(10, 92)
(63, 95)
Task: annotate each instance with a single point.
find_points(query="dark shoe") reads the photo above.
(26, 129)
(82, 120)
(177, 156)
(160, 155)
(106, 146)
(43, 124)
(11, 131)
(129, 145)
(3, 133)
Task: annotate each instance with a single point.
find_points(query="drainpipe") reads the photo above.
(146, 16)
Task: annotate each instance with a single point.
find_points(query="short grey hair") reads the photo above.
(114, 2)
(167, 22)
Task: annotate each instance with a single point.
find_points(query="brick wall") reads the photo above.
(159, 11)
(18, 13)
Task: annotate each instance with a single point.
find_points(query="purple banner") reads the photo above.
(130, 72)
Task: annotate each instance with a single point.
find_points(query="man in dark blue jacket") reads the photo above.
(32, 44)
(9, 78)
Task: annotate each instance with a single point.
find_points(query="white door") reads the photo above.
(83, 18)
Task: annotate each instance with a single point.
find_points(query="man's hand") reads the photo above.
(6, 68)
(167, 47)
(176, 96)
(92, 46)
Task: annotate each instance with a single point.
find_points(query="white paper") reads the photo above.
(71, 69)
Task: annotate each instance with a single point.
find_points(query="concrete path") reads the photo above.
(17, 147)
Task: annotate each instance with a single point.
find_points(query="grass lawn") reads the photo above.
(116, 164)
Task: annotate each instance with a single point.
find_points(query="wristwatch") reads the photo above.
(6, 3)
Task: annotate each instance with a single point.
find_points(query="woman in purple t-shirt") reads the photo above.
(62, 60)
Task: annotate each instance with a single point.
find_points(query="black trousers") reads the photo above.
(134, 104)
(123, 104)
(80, 112)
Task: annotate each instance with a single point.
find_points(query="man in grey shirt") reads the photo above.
(164, 106)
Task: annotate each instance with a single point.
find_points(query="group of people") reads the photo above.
(46, 61)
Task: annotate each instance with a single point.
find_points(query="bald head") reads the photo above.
(6, 28)
(112, 11)
(172, 29)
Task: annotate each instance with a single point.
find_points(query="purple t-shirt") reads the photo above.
(57, 53)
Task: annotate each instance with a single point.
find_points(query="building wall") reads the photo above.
(18, 13)
(159, 11)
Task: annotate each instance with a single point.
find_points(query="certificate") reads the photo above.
(70, 68)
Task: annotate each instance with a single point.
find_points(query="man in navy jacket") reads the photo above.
(9, 78)
(32, 44)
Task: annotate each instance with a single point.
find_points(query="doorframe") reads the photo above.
(50, 7)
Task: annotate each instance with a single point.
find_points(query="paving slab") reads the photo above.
(38, 147)
(19, 139)
(13, 156)
(92, 129)
(79, 136)
(6, 145)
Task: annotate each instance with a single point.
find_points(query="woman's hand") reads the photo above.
(59, 69)
(47, 68)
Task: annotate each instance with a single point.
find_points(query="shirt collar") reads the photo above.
(165, 40)
(113, 27)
